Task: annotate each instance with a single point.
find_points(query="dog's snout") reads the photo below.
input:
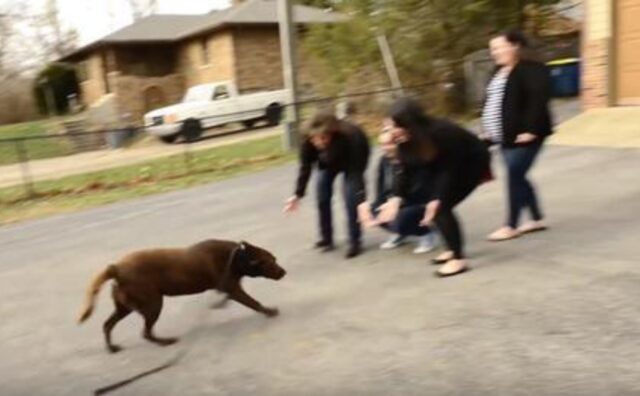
(281, 273)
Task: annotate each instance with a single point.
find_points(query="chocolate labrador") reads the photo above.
(143, 278)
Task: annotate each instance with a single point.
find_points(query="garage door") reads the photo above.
(628, 52)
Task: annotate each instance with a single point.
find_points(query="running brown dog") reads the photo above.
(142, 279)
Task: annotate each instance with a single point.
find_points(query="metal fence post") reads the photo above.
(187, 156)
(23, 159)
(291, 136)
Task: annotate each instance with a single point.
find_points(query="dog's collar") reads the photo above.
(228, 269)
(238, 265)
(241, 264)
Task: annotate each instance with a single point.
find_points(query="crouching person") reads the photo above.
(407, 224)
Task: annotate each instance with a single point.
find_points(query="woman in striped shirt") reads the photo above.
(516, 116)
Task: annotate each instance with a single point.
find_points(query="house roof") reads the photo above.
(161, 28)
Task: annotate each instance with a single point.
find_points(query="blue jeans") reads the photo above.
(522, 195)
(408, 221)
(324, 192)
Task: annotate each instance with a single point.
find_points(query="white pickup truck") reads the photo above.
(210, 105)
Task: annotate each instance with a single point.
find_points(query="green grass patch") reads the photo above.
(35, 148)
(23, 129)
(161, 175)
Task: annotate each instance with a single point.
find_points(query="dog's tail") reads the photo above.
(94, 289)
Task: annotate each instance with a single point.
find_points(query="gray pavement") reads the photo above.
(557, 313)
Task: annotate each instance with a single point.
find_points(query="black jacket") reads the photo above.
(458, 153)
(419, 183)
(525, 107)
(348, 152)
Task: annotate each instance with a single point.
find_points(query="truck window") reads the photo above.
(221, 92)
(199, 93)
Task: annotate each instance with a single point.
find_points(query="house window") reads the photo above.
(204, 49)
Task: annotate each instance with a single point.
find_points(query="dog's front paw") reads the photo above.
(271, 312)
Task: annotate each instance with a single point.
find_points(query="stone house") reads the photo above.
(151, 63)
(611, 54)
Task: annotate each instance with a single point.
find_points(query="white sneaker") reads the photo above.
(425, 244)
(393, 242)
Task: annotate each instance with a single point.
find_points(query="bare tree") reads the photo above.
(28, 41)
(10, 42)
(142, 8)
(5, 36)
(18, 104)
(55, 39)
(16, 97)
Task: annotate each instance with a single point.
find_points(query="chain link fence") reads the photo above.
(91, 164)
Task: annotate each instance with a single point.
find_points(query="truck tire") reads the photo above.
(273, 114)
(191, 130)
(169, 138)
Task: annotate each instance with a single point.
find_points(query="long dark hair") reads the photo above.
(408, 114)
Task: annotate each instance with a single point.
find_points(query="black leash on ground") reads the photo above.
(178, 356)
(120, 384)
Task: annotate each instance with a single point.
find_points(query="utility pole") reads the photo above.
(389, 63)
(288, 49)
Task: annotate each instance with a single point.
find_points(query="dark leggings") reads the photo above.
(464, 181)
(521, 193)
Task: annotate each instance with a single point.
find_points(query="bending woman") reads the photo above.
(459, 161)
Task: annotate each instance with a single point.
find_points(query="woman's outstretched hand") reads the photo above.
(292, 204)
(430, 212)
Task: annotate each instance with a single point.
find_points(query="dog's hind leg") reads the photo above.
(150, 310)
(121, 311)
